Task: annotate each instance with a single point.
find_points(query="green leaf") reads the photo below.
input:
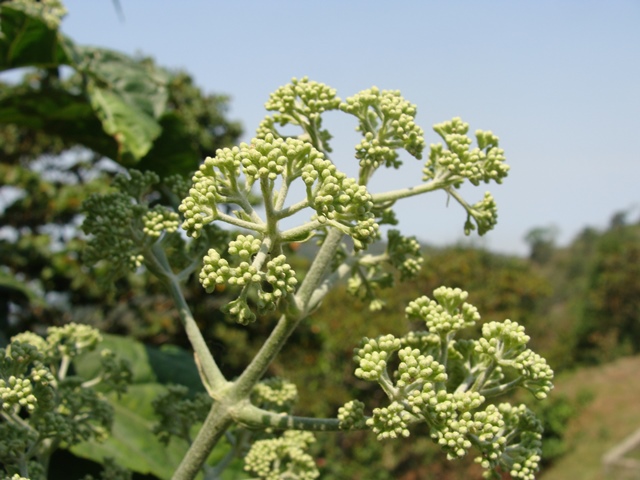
(128, 95)
(29, 36)
(174, 151)
(171, 364)
(132, 130)
(56, 112)
(168, 364)
(132, 443)
(88, 365)
(10, 285)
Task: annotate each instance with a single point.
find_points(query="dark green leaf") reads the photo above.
(132, 442)
(56, 112)
(29, 36)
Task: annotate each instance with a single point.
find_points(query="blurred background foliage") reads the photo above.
(580, 303)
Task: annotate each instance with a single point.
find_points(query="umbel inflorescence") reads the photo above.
(432, 376)
(445, 382)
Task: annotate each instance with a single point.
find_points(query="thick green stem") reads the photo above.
(220, 415)
(214, 427)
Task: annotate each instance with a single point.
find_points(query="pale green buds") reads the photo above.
(459, 162)
(158, 220)
(71, 340)
(338, 200)
(302, 97)
(39, 400)
(416, 368)
(275, 394)
(351, 415)
(373, 355)
(449, 313)
(498, 425)
(122, 225)
(485, 214)
(390, 422)
(387, 124)
(444, 383)
(451, 167)
(283, 457)
(273, 280)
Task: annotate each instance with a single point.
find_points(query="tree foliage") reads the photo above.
(609, 322)
(60, 136)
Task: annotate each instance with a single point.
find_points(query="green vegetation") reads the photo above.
(278, 307)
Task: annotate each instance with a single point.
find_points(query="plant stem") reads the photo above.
(220, 416)
(216, 424)
(258, 418)
(288, 323)
(393, 195)
(212, 376)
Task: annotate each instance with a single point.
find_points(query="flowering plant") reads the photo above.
(430, 376)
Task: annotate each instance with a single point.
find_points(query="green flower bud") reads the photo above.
(275, 394)
(373, 355)
(415, 368)
(179, 412)
(283, 457)
(158, 220)
(390, 422)
(351, 415)
(387, 123)
(302, 97)
(404, 254)
(448, 313)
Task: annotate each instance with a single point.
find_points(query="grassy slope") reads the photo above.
(613, 414)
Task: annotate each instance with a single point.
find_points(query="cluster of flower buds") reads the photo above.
(250, 272)
(122, 224)
(336, 199)
(178, 412)
(40, 400)
(340, 201)
(371, 273)
(484, 213)
(160, 219)
(404, 254)
(351, 415)
(447, 313)
(445, 382)
(459, 162)
(301, 99)
(109, 220)
(282, 457)
(387, 123)
(275, 394)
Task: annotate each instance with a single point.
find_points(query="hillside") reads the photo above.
(612, 415)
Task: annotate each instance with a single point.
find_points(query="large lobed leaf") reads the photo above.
(116, 111)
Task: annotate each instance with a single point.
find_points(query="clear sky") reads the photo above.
(558, 81)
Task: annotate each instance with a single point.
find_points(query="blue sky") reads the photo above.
(557, 81)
